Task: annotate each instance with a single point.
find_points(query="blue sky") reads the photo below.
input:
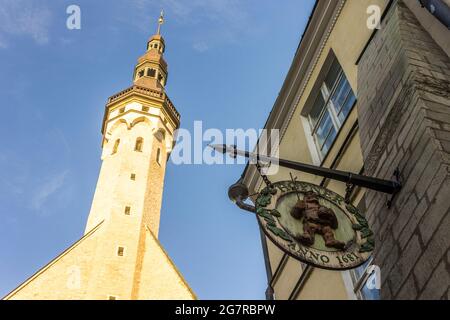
(227, 61)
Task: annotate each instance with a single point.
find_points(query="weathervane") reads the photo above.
(160, 21)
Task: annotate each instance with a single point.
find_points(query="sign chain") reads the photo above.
(263, 176)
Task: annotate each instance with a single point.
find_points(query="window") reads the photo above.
(365, 276)
(120, 251)
(331, 107)
(151, 73)
(116, 146)
(158, 156)
(127, 211)
(364, 279)
(141, 73)
(138, 145)
(160, 77)
(133, 176)
(145, 109)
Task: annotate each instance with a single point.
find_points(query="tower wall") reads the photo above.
(116, 191)
(119, 255)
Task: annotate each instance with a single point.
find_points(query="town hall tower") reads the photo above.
(119, 256)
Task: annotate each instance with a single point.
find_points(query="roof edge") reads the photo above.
(322, 16)
(52, 262)
(194, 296)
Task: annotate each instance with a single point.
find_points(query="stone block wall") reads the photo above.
(404, 119)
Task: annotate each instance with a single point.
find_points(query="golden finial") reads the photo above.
(160, 21)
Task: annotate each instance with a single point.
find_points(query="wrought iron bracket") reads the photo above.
(386, 186)
(348, 192)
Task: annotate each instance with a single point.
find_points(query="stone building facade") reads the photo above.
(404, 120)
(395, 116)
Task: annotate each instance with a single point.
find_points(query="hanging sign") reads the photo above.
(314, 225)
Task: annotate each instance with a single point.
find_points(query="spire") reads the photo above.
(160, 22)
(151, 69)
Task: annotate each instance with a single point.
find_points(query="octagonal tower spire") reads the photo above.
(151, 69)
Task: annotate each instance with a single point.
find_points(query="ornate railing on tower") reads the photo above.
(148, 92)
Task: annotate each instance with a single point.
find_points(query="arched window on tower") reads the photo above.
(116, 146)
(151, 73)
(139, 144)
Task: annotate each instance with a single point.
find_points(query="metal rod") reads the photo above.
(439, 9)
(244, 206)
(386, 186)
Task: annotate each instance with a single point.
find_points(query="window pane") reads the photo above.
(370, 294)
(332, 75)
(361, 269)
(324, 129)
(347, 106)
(316, 110)
(340, 94)
(331, 106)
(329, 141)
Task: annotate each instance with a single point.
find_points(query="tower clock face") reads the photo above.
(314, 225)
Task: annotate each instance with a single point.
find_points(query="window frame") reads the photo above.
(151, 72)
(116, 145)
(329, 108)
(360, 281)
(139, 144)
(123, 251)
(158, 156)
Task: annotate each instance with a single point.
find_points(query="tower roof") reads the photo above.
(156, 37)
(151, 70)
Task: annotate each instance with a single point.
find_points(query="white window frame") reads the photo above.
(330, 108)
(361, 281)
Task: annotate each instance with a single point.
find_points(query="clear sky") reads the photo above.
(227, 61)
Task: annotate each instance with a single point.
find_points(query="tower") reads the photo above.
(119, 256)
(137, 130)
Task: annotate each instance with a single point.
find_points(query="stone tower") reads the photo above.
(119, 256)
